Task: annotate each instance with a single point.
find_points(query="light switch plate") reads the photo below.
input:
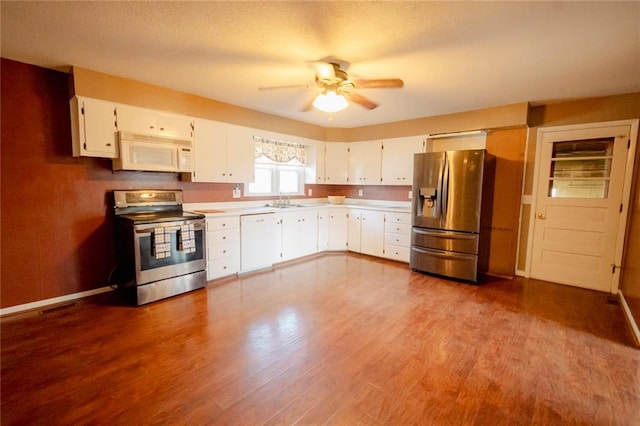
(310, 192)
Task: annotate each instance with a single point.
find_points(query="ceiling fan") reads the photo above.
(336, 87)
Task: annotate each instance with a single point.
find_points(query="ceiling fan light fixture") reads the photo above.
(330, 101)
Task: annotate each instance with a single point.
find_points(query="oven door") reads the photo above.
(154, 262)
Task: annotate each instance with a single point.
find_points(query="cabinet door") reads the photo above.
(365, 162)
(372, 232)
(353, 233)
(94, 131)
(174, 126)
(137, 120)
(397, 159)
(336, 163)
(314, 170)
(323, 229)
(308, 233)
(210, 145)
(338, 228)
(290, 235)
(240, 154)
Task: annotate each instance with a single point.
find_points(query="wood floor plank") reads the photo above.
(336, 339)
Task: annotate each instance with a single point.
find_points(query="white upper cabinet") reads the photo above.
(240, 154)
(365, 162)
(93, 128)
(315, 168)
(337, 163)
(155, 123)
(210, 147)
(397, 159)
(223, 152)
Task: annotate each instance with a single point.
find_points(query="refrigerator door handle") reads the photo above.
(443, 254)
(445, 187)
(450, 235)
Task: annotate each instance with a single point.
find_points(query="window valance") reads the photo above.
(280, 151)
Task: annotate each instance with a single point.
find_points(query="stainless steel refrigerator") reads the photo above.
(452, 203)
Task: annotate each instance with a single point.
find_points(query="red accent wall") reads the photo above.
(56, 233)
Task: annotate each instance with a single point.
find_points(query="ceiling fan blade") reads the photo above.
(361, 100)
(286, 86)
(378, 84)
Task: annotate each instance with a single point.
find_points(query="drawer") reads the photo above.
(404, 218)
(398, 228)
(218, 223)
(397, 253)
(223, 236)
(445, 263)
(445, 240)
(398, 239)
(223, 267)
(216, 251)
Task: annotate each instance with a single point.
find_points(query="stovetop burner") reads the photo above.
(151, 206)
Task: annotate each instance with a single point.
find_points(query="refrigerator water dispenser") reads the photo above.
(428, 197)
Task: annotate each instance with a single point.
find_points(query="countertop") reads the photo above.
(248, 208)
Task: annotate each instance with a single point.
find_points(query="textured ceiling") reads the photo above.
(452, 56)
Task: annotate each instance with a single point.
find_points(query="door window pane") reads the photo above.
(581, 169)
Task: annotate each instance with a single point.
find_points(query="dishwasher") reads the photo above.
(259, 246)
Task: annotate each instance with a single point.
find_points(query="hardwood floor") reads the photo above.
(337, 340)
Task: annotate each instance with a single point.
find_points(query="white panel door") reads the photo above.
(336, 163)
(578, 205)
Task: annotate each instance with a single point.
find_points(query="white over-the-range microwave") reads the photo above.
(153, 153)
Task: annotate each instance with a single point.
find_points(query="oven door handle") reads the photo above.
(173, 228)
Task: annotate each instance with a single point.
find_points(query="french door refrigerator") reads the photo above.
(451, 206)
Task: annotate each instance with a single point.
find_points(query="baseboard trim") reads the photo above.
(53, 301)
(633, 325)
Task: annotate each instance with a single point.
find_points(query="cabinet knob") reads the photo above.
(224, 224)
(224, 251)
(152, 127)
(161, 128)
(224, 238)
(108, 144)
(230, 174)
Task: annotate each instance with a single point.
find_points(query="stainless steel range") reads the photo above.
(160, 247)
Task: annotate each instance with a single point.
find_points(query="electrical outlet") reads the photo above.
(410, 194)
(236, 192)
(309, 192)
(359, 192)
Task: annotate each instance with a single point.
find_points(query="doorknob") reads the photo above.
(540, 216)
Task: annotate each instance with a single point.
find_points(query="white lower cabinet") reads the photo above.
(338, 228)
(223, 247)
(397, 236)
(299, 234)
(366, 232)
(323, 229)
